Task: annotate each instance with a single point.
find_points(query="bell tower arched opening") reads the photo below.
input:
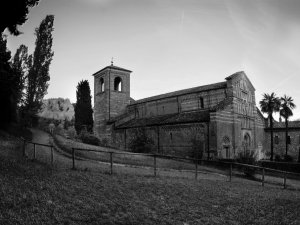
(118, 84)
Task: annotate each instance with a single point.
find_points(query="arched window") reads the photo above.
(118, 84)
(101, 84)
(171, 136)
(201, 103)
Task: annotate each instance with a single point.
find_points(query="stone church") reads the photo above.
(222, 117)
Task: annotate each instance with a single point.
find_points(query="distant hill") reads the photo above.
(57, 108)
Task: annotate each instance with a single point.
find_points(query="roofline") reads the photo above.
(162, 124)
(240, 72)
(176, 93)
(112, 67)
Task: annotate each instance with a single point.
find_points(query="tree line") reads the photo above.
(24, 77)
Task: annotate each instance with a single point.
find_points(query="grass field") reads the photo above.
(33, 193)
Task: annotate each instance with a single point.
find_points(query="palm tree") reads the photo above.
(270, 104)
(286, 111)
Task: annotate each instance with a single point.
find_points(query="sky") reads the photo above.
(171, 44)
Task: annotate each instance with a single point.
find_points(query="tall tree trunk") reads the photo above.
(286, 136)
(271, 127)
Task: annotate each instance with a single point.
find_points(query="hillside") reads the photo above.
(57, 108)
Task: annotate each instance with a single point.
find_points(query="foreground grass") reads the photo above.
(32, 193)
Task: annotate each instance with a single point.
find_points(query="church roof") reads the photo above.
(113, 68)
(183, 92)
(291, 124)
(176, 118)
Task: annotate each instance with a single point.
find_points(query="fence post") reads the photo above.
(73, 158)
(263, 177)
(111, 163)
(24, 146)
(154, 157)
(34, 155)
(51, 155)
(230, 172)
(284, 180)
(196, 169)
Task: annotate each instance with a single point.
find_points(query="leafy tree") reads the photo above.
(83, 107)
(13, 13)
(270, 104)
(39, 62)
(20, 69)
(6, 84)
(286, 111)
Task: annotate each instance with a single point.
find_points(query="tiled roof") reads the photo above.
(292, 124)
(186, 117)
(182, 92)
(112, 67)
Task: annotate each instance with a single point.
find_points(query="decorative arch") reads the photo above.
(101, 84)
(118, 84)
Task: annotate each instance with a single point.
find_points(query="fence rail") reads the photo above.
(229, 166)
(34, 149)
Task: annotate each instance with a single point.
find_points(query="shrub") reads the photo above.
(277, 158)
(197, 148)
(288, 158)
(248, 158)
(103, 142)
(88, 138)
(141, 143)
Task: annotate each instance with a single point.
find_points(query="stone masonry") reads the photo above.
(222, 117)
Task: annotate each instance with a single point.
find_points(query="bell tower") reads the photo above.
(111, 96)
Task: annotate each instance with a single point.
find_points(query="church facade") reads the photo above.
(222, 117)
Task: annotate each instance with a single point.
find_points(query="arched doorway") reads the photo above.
(246, 143)
(226, 147)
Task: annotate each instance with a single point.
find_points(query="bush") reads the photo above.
(88, 138)
(141, 143)
(103, 142)
(248, 158)
(197, 148)
(277, 158)
(288, 158)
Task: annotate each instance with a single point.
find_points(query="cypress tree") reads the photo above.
(83, 107)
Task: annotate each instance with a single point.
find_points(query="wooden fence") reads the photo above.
(196, 162)
(229, 166)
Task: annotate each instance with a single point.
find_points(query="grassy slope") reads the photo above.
(32, 193)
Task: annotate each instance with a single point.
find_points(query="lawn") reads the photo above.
(33, 193)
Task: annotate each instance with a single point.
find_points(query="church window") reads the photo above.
(101, 84)
(201, 103)
(118, 84)
(276, 140)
